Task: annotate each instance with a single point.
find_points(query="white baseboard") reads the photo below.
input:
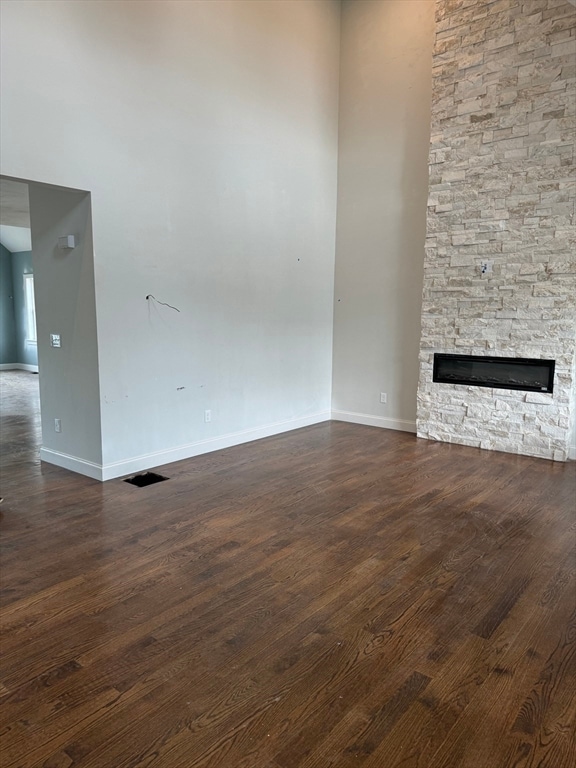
(139, 463)
(374, 421)
(150, 460)
(18, 367)
(73, 463)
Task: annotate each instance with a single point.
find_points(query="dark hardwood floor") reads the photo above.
(336, 596)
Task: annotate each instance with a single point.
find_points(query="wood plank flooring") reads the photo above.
(336, 596)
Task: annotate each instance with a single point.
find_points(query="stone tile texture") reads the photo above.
(502, 190)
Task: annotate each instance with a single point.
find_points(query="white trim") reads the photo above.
(572, 453)
(150, 460)
(138, 463)
(374, 421)
(73, 463)
(18, 367)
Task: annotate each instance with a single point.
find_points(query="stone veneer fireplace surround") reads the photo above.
(501, 190)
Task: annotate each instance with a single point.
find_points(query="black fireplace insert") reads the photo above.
(530, 375)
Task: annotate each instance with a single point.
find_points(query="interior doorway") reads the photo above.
(58, 314)
(18, 334)
(19, 381)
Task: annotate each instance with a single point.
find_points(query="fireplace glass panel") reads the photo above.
(499, 372)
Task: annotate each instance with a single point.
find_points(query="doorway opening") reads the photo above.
(55, 313)
(19, 384)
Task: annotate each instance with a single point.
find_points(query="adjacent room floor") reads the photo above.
(336, 596)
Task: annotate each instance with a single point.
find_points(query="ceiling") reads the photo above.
(15, 239)
(14, 216)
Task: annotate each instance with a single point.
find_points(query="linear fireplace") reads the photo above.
(527, 374)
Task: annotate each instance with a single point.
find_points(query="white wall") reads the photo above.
(384, 136)
(206, 133)
(64, 292)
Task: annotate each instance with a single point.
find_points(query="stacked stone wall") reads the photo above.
(502, 190)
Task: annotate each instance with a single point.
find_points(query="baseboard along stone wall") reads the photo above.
(502, 191)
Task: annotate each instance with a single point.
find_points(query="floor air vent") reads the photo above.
(147, 478)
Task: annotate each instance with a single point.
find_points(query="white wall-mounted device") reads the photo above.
(67, 242)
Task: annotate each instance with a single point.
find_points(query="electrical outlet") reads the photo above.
(486, 267)
(383, 397)
(57, 425)
(207, 416)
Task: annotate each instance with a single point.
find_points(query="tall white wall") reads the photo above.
(384, 134)
(65, 305)
(206, 133)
